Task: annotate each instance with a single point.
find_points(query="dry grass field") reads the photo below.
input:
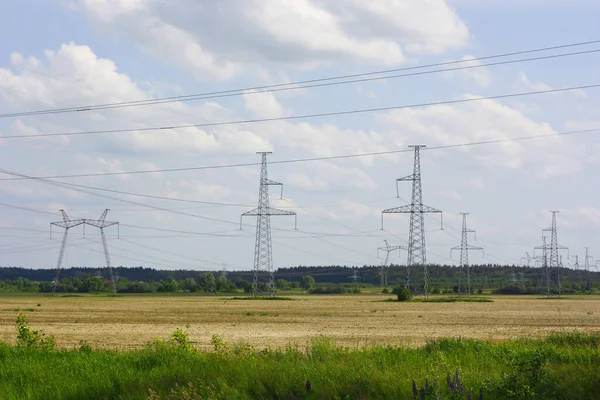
(133, 321)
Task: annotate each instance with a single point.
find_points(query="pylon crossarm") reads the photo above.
(268, 211)
(399, 210)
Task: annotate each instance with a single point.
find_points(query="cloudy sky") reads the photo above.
(78, 53)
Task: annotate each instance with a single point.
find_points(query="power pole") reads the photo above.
(544, 260)
(528, 259)
(67, 224)
(554, 260)
(587, 270)
(384, 266)
(263, 251)
(224, 270)
(417, 254)
(102, 223)
(464, 248)
(354, 278)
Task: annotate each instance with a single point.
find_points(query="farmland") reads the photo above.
(133, 321)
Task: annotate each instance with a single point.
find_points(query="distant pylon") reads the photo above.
(528, 259)
(67, 224)
(544, 260)
(417, 254)
(263, 253)
(587, 270)
(464, 248)
(553, 257)
(384, 266)
(102, 223)
(224, 270)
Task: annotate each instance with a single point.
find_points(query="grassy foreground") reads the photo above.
(558, 367)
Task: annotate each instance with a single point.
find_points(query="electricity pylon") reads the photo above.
(263, 251)
(464, 248)
(67, 224)
(544, 260)
(384, 266)
(102, 223)
(528, 259)
(587, 270)
(554, 263)
(417, 254)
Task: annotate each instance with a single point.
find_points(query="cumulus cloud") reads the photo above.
(215, 40)
(483, 121)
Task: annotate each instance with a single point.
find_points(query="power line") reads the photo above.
(304, 116)
(312, 83)
(298, 160)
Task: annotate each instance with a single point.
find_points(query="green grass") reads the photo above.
(561, 366)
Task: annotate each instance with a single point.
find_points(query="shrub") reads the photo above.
(32, 339)
(402, 293)
(180, 339)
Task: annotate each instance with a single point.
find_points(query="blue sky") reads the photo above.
(72, 53)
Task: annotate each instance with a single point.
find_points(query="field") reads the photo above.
(130, 322)
(309, 347)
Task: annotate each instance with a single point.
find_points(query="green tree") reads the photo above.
(245, 285)
(207, 282)
(282, 284)
(402, 293)
(190, 284)
(307, 282)
(225, 285)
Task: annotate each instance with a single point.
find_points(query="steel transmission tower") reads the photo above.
(384, 266)
(554, 263)
(67, 224)
(528, 259)
(102, 223)
(587, 270)
(263, 252)
(417, 254)
(544, 260)
(464, 248)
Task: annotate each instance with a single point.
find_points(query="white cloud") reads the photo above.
(484, 121)
(215, 40)
(524, 81)
(480, 75)
(323, 175)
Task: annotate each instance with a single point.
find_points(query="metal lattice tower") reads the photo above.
(417, 254)
(587, 270)
(544, 261)
(67, 224)
(464, 248)
(102, 223)
(263, 252)
(554, 262)
(528, 259)
(384, 266)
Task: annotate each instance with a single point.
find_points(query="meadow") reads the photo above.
(133, 321)
(310, 347)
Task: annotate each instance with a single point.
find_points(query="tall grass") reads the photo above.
(561, 366)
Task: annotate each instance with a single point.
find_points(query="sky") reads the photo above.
(78, 53)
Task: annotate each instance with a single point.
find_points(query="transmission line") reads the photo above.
(304, 116)
(298, 160)
(286, 86)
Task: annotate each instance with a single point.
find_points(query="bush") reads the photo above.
(402, 293)
(32, 339)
